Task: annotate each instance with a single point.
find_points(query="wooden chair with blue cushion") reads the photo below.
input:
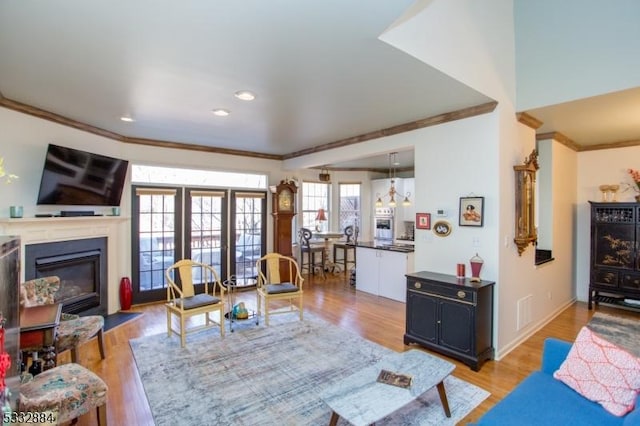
(73, 330)
(278, 279)
(184, 303)
(347, 246)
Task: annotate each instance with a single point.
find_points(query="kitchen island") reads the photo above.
(381, 268)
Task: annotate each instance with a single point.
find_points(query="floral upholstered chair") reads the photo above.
(73, 330)
(64, 393)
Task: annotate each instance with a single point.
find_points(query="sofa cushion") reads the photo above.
(542, 400)
(602, 372)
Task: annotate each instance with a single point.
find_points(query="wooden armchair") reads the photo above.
(278, 279)
(184, 303)
(73, 330)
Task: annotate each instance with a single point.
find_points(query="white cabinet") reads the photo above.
(367, 275)
(382, 272)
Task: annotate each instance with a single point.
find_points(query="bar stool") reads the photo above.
(312, 252)
(347, 246)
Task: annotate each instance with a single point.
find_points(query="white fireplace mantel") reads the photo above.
(50, 229)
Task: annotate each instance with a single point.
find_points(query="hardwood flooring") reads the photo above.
(375, 318)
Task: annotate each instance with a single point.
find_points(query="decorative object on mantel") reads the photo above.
(15, 211)
(635, 175)
(324, 175)
(526, 232)
(393, 162)
(476, 265)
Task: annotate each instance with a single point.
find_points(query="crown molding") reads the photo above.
(401, 128)
(528, 120)
(559, 137)
(406, 127)
(65, 121)
(620, 144)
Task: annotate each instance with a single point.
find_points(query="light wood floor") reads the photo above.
(375, 318)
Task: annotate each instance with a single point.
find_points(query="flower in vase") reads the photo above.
(8, 177)
(635, 175)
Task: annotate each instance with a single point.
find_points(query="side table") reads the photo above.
(38, 329)
(232, 287)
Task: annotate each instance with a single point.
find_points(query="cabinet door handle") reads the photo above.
(461, 294)
(417, 285)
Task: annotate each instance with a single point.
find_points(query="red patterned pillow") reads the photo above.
(602, 372)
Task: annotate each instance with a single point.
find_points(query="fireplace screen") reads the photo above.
(80, 265)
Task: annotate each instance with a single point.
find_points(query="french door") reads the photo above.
(172, 223)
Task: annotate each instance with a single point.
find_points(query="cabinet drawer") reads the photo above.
(630, 281)
(606, 278)
(437, 289)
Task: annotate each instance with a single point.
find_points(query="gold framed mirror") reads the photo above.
(525, 202)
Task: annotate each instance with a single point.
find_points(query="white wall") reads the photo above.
(573, 49)
(544, 185)
(596, 168)
(468, 40)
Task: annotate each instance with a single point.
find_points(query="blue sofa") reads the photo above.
(542, 400)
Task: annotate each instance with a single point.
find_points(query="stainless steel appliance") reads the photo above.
(383, 224)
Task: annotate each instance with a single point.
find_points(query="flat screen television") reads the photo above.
(77, 178)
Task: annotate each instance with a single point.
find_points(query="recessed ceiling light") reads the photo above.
(245, 95)
(220, 112)
(127, 119)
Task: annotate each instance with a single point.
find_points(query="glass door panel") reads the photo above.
(154, 239)
(206, 230)
(248, 212)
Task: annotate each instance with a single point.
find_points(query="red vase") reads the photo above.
(126, 292)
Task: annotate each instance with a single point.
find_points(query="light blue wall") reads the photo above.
(573, 49)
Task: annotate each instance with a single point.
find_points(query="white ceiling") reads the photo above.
(318, 69)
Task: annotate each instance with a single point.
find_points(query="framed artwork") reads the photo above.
(423, 220)
(442, 228)
(471, 211)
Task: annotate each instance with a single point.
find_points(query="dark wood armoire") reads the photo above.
(615, 254)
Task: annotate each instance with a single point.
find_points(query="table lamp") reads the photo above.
(320, 217)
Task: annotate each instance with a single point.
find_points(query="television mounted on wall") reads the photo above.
(77, 178)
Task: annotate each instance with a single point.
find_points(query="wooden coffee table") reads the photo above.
(361, 400)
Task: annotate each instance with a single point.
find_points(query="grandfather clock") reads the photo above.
(283, 213)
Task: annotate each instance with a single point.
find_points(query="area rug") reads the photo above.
(620, 331)
(272, 375)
